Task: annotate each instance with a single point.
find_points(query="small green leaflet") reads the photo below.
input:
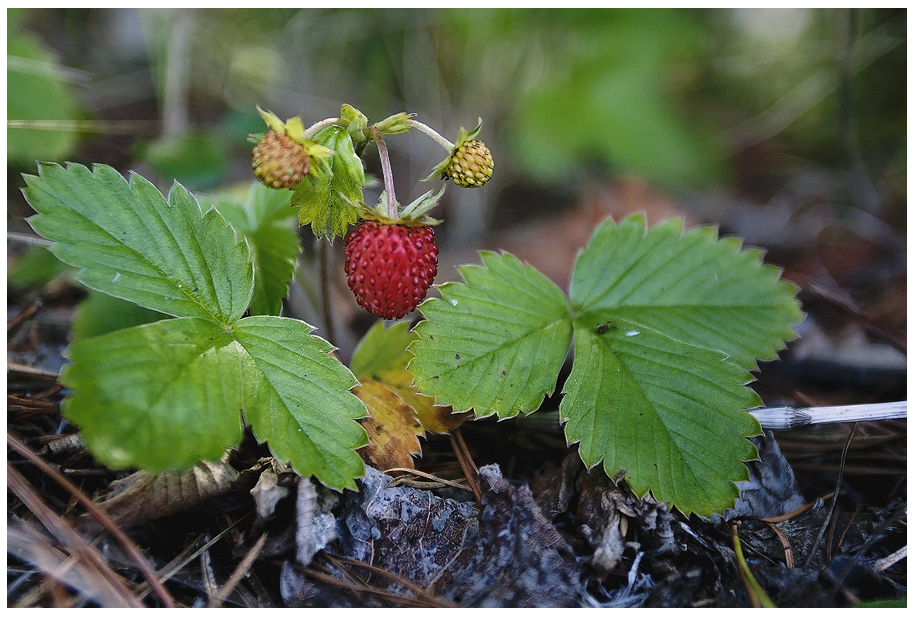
(496, 344)
(264, 220)
(298, 399)
(159, 396)
(329, 192)
(666, 327)
(670, 415)
(167, 394)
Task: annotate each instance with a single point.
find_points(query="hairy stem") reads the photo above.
(317, 126)
(387, 173)
(431, 133)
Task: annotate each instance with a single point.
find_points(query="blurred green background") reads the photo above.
(690, 101)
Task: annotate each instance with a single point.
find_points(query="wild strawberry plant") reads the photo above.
(664, 326)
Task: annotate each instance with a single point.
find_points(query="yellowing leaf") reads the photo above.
(382, 356)
(393, 429)
(433, 418)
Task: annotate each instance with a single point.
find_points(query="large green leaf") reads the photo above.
(328, 194)
(160, 396)
(132, 243)
(297, 398)
(668, 414)
(264, 220)
(495, 344)
(666, 327)
(693, 288)
(168, 394)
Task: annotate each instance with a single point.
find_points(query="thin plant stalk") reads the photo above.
(387, 172)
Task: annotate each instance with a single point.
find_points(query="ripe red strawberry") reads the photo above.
(390, 267)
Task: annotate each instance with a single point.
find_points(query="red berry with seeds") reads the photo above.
(390, 267)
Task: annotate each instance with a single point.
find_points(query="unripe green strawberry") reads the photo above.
(279, 161)
(389, 267)
(471, 164)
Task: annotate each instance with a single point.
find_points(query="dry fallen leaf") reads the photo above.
(142, 497)
(393, 428)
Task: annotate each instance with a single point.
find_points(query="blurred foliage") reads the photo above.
(673, 95)
(606, 95)
(100, 314)
(37, 90)
(34, 266)
(195, 158)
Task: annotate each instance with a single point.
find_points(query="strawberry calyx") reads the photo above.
(413, 215)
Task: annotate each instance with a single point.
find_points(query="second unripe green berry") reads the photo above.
(471, 164)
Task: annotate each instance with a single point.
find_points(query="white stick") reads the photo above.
(786, 418)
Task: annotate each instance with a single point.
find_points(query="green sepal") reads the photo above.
(394, 124)
(413, 214)
(438, 171)
(272, 120)
(356, 124)
(464, 136)
(417, 208)
(294, 128)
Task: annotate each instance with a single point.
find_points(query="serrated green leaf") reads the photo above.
(494, 344)
(132, 243)
(171, 393)
(263, 219)
(298, 398)
(328, 194)
(692, 287)
(668, 414)
(160, 396)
